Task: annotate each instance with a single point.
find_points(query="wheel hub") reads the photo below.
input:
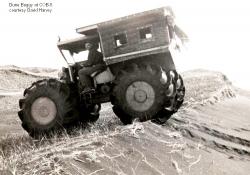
(140, 96)
(43, 110)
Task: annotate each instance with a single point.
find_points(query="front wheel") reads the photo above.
(47, 106)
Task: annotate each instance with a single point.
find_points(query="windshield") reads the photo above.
(76, 57)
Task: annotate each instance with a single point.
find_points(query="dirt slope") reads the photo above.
(209, 135)
(15, 79)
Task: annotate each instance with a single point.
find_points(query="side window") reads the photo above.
(120, 39)
(146, 33)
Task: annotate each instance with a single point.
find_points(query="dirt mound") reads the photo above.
(35, 70)
(15, 79)
(40, 70)
(204, 87)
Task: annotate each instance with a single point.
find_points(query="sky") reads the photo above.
(219, 32)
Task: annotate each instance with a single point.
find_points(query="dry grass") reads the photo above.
(17, 152)
(22, 155)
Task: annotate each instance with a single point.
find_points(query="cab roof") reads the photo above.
(92, 29)
(77, 44)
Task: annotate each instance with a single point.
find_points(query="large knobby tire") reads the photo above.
(174, 102)
(180, 92)
(162, 116)
(48, 105)
(138, 93)
(124, 118)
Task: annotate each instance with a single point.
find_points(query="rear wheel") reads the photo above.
(138, 93)
(162, 116)
(124, 118)
(180, 92)
(48, 105)
(177, 89)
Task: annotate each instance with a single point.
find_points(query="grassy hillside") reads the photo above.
(194, 141)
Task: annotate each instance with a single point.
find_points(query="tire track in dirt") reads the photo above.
(223, 136)
(211, 134)
(215, 144)
(191, 134)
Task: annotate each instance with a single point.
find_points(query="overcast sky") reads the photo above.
(219, 32)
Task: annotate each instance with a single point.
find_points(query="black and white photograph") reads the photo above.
(124, 87)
